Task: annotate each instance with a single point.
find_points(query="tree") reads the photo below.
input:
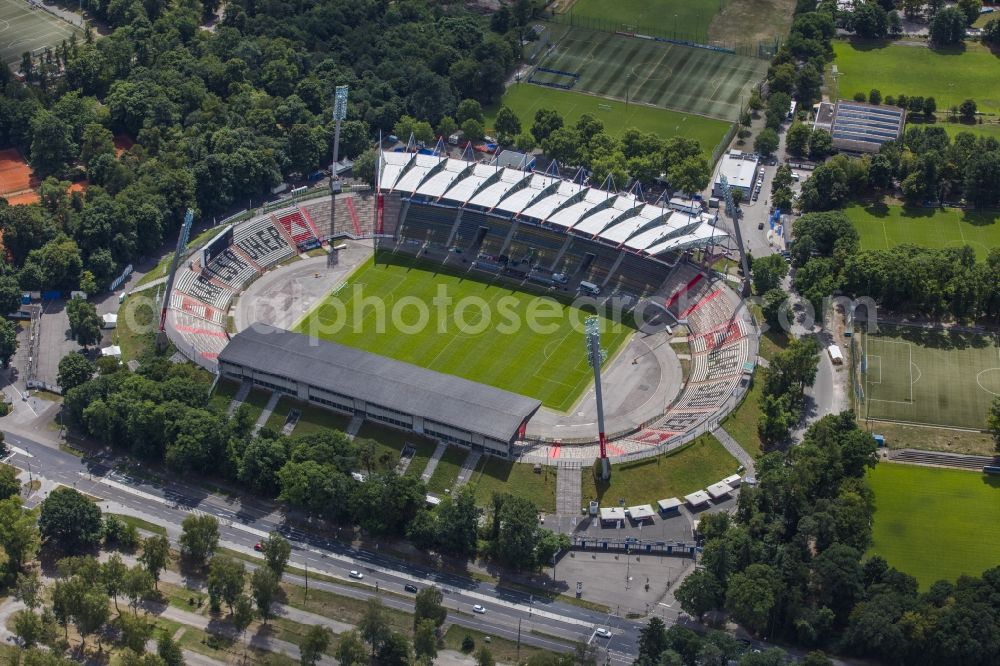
(469, 109)
(52, 147)
(351, 650)
(429, 606)
(507, 125)
(374, 625)
(28, 589)
(473, 130)
(425, 640)
(69, 521)
(766, 142)
(84, 323)
(112, 573)
(525, 142)
(74, 369)
(10, 294)
(948, 27)
(19, 537)
(870, 21)
(91, 614)
(797, 139)
(395, 651)
(155, 555)
(820, 144)
(774, 300)
(967, 111)
(136, 584)
(894, 23)
(768, 272)
(751, 596)
(263, 588)
(547, 121)
(134, 632)
(199, 538)
(226, 578)
(96, 141)
(970, 9)
(10, 486)
(993, 421)
(991, 32)
(484, 657)
(28, 627)
(447, 127)
(689, 175)
(276, 550)
(875, 96)
(652, 641)
(314, 644)
(242, 615)
(169, 651)
(699, 593)
(8, 341)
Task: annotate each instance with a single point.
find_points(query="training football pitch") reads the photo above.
(483, 334)
(933, 377)
(935, 523)
(950, 76)
(683, 19)
(25, 29)
(524, 99)
(683, 78)
(881, 227)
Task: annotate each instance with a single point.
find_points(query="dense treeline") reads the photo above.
(791, 564)
(905, 278)
(220, 117)
(160, 415)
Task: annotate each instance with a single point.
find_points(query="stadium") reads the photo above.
(241, 303)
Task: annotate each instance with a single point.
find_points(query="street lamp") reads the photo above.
(675, 26)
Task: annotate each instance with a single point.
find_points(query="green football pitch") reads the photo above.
(935, 523)
(25, 29)
(680, 19)
(525, 99)
(881, 227)
(949, 76)
(514, 340)
(933, 377)
(683, 78)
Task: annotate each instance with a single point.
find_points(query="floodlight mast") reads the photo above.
(182, 240)
(595, 357)
(339, 113)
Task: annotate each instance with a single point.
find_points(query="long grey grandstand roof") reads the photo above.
(615, 217)
(381, 381)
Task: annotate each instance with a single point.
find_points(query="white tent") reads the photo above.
(109, 320)
(113, 351)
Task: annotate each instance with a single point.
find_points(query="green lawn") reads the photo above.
(223, 394)
(506, 338)
(935, 523)
(447, 469)
(930, 376)
(681, 19)
(525, 99)
(950, 76)
(313, 419)
(882, 227)
(741, 424)
(984, 129)
(496, 475)
(701, 463)
(653, 73)
(392, 441)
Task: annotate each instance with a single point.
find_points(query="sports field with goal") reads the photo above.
(881, 227)
(25, 29)
(482, 334)
(525, 99)
(932, 377)
(950, 76)
(935, 523)
(682, 19)
(682, 78)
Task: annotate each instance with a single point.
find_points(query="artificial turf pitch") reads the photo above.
(682, 78)
(881, 227)
(545, 361)
(935, 523)
(932, 377)
(950, 76)
(679, 19)
(25, 29)
(525, 99)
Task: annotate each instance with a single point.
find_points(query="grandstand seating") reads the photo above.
(205, 339)
(354, 215)
(428, 223)
(193, 284)
(262, 242)
(191, 305)
(297, 228)
(232, 269)
(640, 275)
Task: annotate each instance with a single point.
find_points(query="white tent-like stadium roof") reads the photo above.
(616, 218)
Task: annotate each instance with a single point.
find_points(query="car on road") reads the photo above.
(258, 546)
(602, 632)
(760, 225)
(356, 574)
(479, 609)
(410, 587)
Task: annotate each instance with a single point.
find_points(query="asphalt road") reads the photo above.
(550, 625)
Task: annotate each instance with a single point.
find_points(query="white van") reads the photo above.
(590, 288)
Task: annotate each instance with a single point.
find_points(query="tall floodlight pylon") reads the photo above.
(596, 357)
(339, 113)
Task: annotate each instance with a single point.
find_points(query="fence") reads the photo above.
(763, 49)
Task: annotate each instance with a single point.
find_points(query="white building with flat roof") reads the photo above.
(740, 169)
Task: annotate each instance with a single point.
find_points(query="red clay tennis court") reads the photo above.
(15, 174)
